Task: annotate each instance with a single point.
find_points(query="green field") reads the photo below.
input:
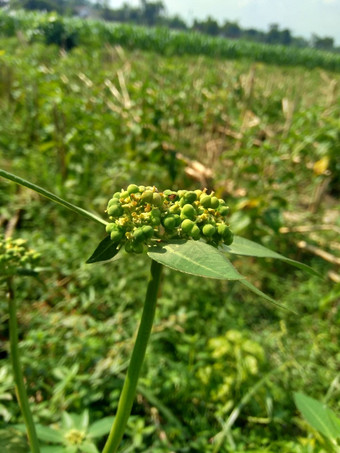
(86, 122)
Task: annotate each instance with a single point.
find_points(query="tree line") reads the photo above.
(153, 13)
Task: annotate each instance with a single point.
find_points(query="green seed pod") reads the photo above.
(187, 225)
(214, 203)
(223, 210)
(137, 247)
(157, 199)
(222, 229)
(155, 217)
(198, 193)
(147, 196)
(132, 188)
(190, 197)
(111, 227)
(205, 201)
(228, 237)
(169, 222)
(124, 194)
(177, 219)
(175, 208)
(195, 232)
(138, 235)
(116, 235)
(115, 210)
(112, 202)
(116, 195)
(128, 247)
(147, 231)
(188, 212)
(208, 230)
(181, 193)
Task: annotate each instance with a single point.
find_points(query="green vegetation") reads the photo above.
(222, 364)
(153, 13)
(70, 32)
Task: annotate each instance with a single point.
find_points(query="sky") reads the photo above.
(302, 17)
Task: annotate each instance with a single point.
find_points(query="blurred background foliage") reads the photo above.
(222, 365)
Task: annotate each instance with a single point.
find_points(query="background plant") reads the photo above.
(155, 140)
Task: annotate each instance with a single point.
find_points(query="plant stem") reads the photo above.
(17, 371)
(129, 388)
(51, 196)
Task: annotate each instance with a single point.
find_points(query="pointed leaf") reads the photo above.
(262, 294)
(100, 427)
(84, 420)
(106, 250)
(69, 420)
(196, 258)
(88, 447)
(49, 435)
(318, 415)
(245, 247)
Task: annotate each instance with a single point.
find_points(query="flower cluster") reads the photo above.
(140, 215)
(15, 255)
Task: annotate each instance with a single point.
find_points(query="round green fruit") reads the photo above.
(205, 201)
(214, 203)
(195, 232)
(188, 212)
(147, 196)
(208, 230)
(147, 231)
(169, 222)
(156, 199)
(132, 188)
(187, 225)
(115, 210)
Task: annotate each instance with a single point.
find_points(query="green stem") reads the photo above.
(17, 371)
(129, 389)
(51, 196)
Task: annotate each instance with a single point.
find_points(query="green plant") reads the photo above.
(16, 259)
(132, 225)
(321, 418)
(74, 434)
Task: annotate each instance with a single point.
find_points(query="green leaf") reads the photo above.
(318, 416)
(53, 449)
(104, 251)
(196, 258)
(51, 196)
(89, 447)
(49, 435)
(100, 427)
(262, 294)
(245, 247)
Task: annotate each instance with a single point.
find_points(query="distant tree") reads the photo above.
(286, 37)
(208, 26)
(231, 30)
(175, 22)
(152, 12)
(326, 43)
(253, 34)
(273, 35)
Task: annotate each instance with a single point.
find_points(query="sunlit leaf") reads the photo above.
(196, 258)
(318, 415)
(245, 247)
(100, 427)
